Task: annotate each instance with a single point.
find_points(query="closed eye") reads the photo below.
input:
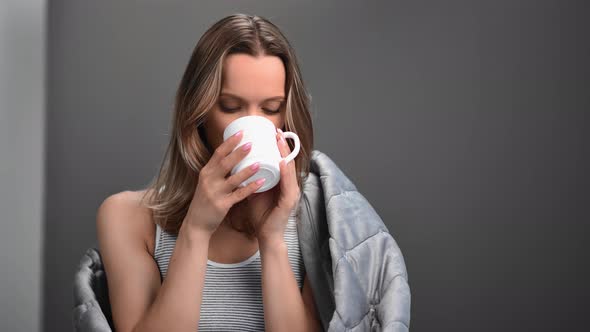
(229, 110)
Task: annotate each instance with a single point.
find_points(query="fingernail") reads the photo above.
(255, 166)
(247, 146)
(239, 133)
(260, 181)
(282, 136)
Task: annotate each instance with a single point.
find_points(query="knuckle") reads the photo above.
(244, 190)
(238, 194)
(233, 180)
(225, 165)
(217, 152)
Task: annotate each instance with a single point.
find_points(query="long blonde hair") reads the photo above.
(169, 194)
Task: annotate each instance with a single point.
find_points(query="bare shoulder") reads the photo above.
(124, 229)
(123, 213)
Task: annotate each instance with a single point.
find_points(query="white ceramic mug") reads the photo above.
(262, 133)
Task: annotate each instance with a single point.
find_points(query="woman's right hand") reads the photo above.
(215, 193)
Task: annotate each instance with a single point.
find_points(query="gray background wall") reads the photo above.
(22, 162)
(464, 123)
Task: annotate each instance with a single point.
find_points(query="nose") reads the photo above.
(255, 110)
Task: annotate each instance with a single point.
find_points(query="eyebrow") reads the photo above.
(242, 99)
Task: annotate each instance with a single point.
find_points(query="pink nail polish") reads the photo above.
(281, 135)
(247, 146)
(260, 181)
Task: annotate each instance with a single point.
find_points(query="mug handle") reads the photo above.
(292, 155)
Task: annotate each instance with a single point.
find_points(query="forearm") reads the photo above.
(177, 305)
(284, 309)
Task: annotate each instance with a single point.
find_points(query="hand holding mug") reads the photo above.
(262, 133)
(215, 194)
(271, 205)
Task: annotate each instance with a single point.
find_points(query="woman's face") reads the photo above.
(251, 86)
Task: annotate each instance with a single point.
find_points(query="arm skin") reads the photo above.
(285, 307)
(139, 300)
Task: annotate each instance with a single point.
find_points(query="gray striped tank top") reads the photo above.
(232, 294)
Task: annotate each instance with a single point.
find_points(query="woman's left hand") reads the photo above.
(271, 209)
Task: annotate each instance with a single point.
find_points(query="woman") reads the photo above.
(194, 250)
